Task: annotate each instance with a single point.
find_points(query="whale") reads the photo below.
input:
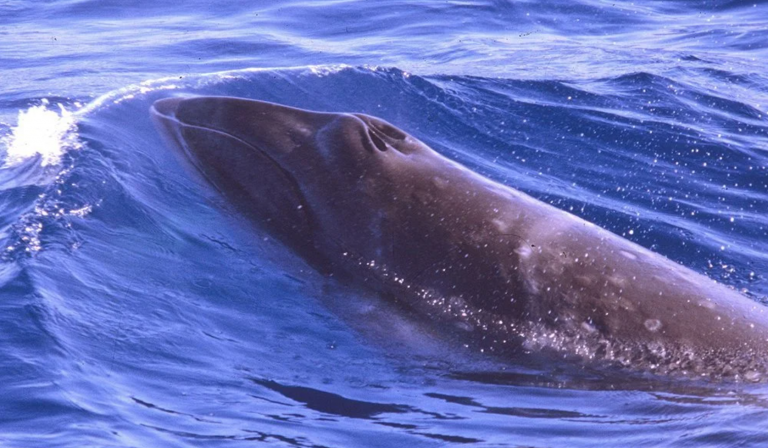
(498, 271)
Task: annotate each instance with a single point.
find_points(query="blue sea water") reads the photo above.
(137, 309)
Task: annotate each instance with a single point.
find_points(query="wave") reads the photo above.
(145, 299)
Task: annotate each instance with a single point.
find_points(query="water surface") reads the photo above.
(138, 309)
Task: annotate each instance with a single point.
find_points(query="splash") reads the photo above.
(41, 132)
(42, 136)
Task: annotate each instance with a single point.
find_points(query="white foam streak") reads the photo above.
(199, 81)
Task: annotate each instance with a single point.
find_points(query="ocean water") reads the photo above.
(138, 309)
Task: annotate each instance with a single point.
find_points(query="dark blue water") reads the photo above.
(138, 309)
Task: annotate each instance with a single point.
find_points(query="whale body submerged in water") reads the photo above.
(356, 195)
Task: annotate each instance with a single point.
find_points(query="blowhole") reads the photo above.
(389, 131)
(377, 142)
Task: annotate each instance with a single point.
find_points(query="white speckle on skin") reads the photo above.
(629, 255)
(618, 281)
(653, 324)
(533, 286)
(524, 251)
(439, 182)
(626, 304)
(501, 225)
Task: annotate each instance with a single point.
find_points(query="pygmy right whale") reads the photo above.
(506, 272)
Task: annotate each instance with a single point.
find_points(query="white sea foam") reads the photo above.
(43, 132)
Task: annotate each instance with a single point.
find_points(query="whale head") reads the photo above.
(312, 178)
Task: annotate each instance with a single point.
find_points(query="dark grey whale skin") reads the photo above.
(353, 194)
